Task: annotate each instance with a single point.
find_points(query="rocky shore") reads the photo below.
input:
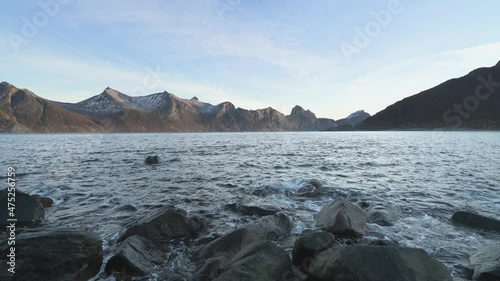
(334, 250)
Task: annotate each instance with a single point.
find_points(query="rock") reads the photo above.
(213, 257)
(27, 209)
(56, 255)
(342, 218)
(152, 160)
(383, 214)
(261, 260)
(486, 263)
(126, 208)
(266, 228)
(475, 221)
(308, 245)
(162, 225)
(254, 210)
(312, 188)
(368, 263)
(45, 201)
(135, 257)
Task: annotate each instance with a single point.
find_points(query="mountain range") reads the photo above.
(112, 111)
(468, 102)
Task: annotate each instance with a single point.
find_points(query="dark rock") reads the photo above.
(126, 208)
(342, 218)
(213, 257)
(475, 221)
(266, 228)
(364, 204)
(152, 160)
(27, 209)
(45, 201)
(165, 224)
(135, 257)
(383, 214)
(369, 263)
(57, 255)
(261, 260)
(486, 263)
(310, 189)
(254, 210)
(308, 245)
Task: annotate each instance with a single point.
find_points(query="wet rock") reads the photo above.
(486, 263)
(45, 201)
(152, 160)
(266, 228)
(311, 188)
(56, 255)
(342, 218)
(253, 210)
(126, 208)
(27, 209)
(308, 245)
(475, 221)
(162, 225)
(383, 214)
(213, 257)
(261, 260)
(368, 263)
(136, 257)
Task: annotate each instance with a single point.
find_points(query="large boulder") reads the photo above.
(163, 225)
(266, 228)
(27, 209)
(213, 257)
(57, 255)
(136, 257)
(259, 261)
(308, 245)
(475, 221)
(342, 218)
(370, 263)
(383, 214)
(486, 263)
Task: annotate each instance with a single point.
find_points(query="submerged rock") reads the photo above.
(45, 201)
(254, 210)
(261, 260)
(342, 218)
(311, 188)
(135, 257)
(475, 221)
(308, 245)
(27, 209)
(383, 214)
(56, 255)
(152, 160)
(368, 263)
(165, 224)
(486, 263)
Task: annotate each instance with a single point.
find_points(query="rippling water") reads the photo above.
(426, 175)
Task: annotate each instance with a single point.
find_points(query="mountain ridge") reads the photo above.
(113, 111)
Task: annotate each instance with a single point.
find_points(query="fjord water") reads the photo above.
(426, 175)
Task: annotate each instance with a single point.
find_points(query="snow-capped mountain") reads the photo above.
(113, 111)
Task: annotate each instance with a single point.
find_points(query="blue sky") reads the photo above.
(254, 53)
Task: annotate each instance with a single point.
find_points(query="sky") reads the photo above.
(330, 56)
